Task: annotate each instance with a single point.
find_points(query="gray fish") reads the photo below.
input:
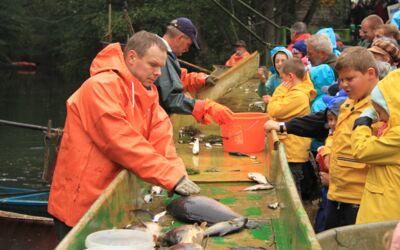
(186, 246)
(226, 227)
(197, 208)
(259, 187)
(247, 248)
(185, 234)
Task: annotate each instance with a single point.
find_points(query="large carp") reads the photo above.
(196, 208)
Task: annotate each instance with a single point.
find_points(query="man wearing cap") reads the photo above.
(298, 32)
(179, 36)
(240, 53)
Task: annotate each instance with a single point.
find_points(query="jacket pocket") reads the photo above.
(373, 188)
(349, 162)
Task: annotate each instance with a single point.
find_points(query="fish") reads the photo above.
(185, 234)
(148, 198)
(196, 147)
(157, 217)
(186, 246)
(208, 145)
(257, 177)
(273, 205)
(242, 154)
(259, 187)
(226, 227)
(197, 208)
(156, 190)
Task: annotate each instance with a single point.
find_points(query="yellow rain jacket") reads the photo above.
(346, 174)
(286, 104)
(381, 197)
(113, 123)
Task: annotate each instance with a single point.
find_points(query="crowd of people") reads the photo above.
(350, 113)
(339, 107)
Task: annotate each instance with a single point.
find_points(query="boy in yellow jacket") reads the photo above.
(380, 200)
(292, 99)
(358, 75)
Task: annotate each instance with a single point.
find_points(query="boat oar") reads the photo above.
(195, 66)
(24, 193)
(30, 126)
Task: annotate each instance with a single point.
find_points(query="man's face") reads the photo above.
(366, 32)
(240, 50)
(147, 68)
(316, 57)
(183, 43)
(356, 84)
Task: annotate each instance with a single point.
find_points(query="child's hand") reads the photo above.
(286, 84)
(324, 178)
(266, 98)
(271, 125)
(261, 74)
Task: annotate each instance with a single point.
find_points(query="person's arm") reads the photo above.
(313, 125)
(373, 150)
(286, 103)
(170, 90)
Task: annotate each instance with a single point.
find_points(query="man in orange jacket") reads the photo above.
(114, 122)
(179, 36)
(240, 53)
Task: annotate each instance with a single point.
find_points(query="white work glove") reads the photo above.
(186, 187)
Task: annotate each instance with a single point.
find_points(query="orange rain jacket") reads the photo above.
(235, 59)
(106, 130)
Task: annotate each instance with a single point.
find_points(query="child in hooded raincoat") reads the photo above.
(266, 88)
(292, 99)
(380, 200)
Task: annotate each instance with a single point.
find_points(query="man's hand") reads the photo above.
(211, 80)
(271, 125)
(186, 187)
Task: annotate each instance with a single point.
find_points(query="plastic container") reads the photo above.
(245, 134)
(120, 239)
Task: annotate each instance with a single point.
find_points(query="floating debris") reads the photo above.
(187, 134)
(212, 139)
(258, 106)
(259, 187)
(208, 145)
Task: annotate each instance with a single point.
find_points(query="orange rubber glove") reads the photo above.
(192, 82)
(219, 113)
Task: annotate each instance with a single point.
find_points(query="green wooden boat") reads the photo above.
(221, 176)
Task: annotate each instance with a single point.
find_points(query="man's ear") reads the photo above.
(131, 57)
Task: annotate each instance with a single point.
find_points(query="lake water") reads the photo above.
(32, 99)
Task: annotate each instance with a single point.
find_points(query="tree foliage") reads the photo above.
(66, 34)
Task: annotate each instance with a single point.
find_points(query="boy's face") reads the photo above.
(382, 114)
(280, 58)
(332, 119)
(356, 84)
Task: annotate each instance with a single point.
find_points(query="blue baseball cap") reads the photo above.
(186, 26)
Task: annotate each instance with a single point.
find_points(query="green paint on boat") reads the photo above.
(252, 211)
(228, 200)
(262, 233)
(222, 241)
(254, 197)
(217, 190)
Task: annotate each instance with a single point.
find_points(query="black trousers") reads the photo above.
(340, 214)
(61, 229)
